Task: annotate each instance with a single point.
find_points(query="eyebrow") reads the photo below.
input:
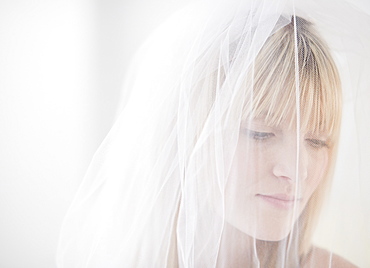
(259, 121)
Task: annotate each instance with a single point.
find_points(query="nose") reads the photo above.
(290, 162)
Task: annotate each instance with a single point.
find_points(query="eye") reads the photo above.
(316, 143)
(260, 136)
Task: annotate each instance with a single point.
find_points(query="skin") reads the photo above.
(263, 185)
(240, 253)
(319, 257)
(268, 167)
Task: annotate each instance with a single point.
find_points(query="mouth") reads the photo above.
(280, 201)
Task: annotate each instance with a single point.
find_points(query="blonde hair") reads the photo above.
(270, 91)
(319, 84)
(319, 106)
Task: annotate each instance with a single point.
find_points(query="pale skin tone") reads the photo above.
(276, 187)
(271, 170)
(268, 187)
(240, 253)
(265, 168)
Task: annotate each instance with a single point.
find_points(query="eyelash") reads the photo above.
(317, 144)
(259, 136)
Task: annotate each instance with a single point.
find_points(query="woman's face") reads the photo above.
(274, 173)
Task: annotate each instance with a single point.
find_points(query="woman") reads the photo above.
(285, 148)
(224, 151)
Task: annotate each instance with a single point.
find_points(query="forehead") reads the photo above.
(311, 104)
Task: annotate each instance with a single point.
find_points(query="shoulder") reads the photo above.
(318, 257)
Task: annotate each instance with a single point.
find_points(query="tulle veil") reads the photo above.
(157, 192)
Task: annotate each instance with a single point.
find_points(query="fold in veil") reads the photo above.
(156, 192)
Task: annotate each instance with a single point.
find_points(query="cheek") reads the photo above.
(249, 166)
(317, 169)
(248, 174)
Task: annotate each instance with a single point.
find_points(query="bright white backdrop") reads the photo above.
(61, 68)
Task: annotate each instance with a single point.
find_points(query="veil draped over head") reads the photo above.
(242, 141)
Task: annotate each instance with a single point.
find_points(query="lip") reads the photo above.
(280, 201)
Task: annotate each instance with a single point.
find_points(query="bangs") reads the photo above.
(274, 94)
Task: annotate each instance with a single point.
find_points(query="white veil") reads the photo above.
(174, 182)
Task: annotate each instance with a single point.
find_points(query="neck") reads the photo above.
(238, 249)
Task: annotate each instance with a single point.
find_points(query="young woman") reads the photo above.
(224, 151)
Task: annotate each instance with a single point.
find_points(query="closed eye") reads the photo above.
(257, 135)
(315, 143)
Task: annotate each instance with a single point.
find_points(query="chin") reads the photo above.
(272, 234)
(265, 228)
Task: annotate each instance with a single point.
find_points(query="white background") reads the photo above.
(61, 68)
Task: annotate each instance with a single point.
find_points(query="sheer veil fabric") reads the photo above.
(242, 141)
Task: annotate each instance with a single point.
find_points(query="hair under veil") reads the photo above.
(224, 152)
